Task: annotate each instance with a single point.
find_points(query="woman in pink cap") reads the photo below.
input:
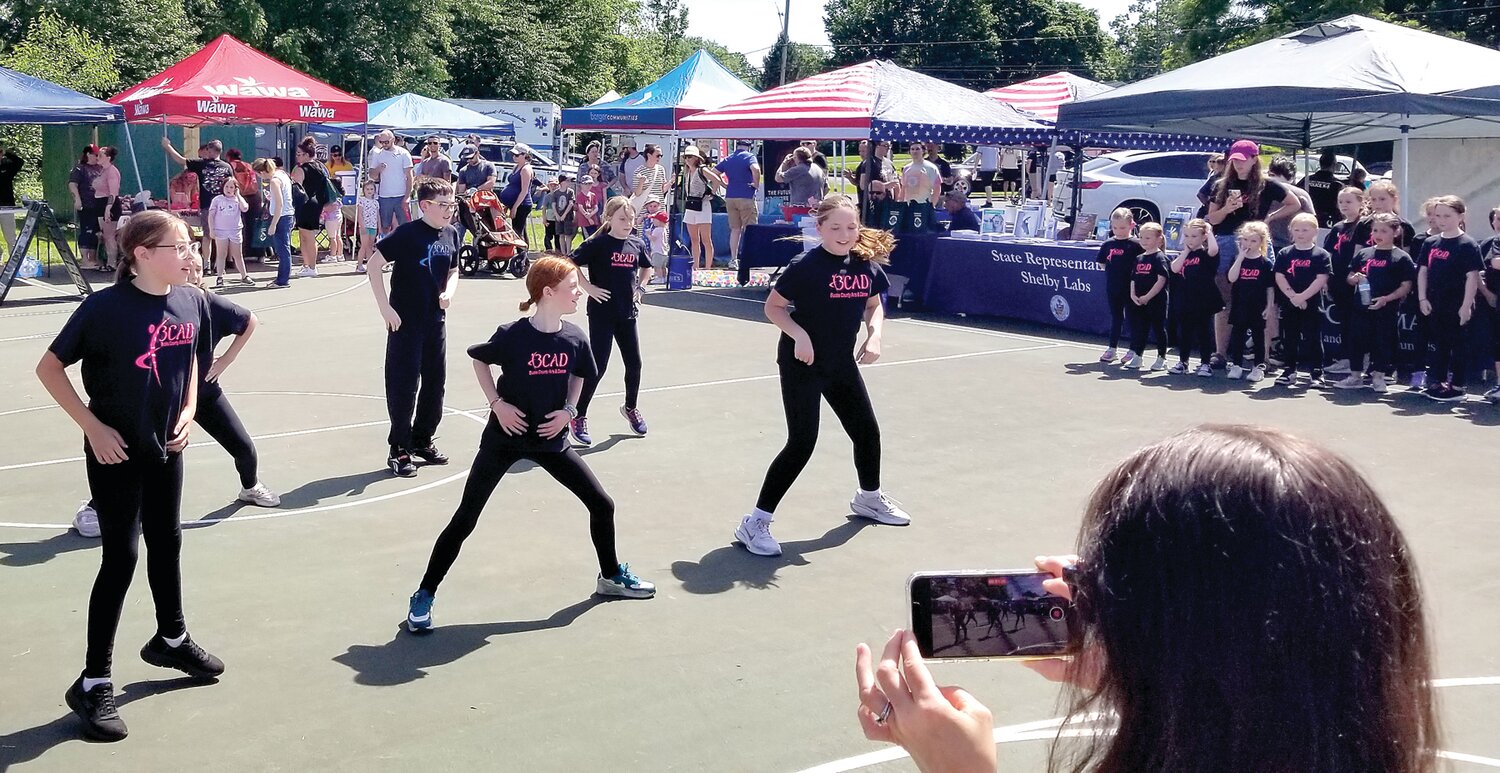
(1243, 195)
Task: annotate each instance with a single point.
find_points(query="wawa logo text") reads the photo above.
(250, 87)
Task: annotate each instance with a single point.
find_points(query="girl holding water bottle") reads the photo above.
(1380, 277)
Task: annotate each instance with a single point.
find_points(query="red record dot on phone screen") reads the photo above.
(1056, 613)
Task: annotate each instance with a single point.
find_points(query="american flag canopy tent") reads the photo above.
(1042, 96)
(229, 82)
(871, 99)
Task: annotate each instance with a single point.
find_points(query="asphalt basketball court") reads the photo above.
(994, 434)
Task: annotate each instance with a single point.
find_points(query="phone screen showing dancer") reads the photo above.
(984, 615)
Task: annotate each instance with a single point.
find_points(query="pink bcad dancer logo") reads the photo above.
(847, 286)
(163, 334)
(548, 363)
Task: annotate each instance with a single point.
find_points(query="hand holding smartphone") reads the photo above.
(983, 615)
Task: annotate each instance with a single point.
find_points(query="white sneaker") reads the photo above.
(1204, 371)
(1236, 372)
(359, 269)
(260, 496)
(86, 521)
(1492, 396)
(1131, 361)
(1338, 368)
(1377, 383)
(1256, 373)
(755, 534)
(1108, 356)
(879, 508)
(1178, 368)
(307, 272)
(1159, 364)
(1351, 381)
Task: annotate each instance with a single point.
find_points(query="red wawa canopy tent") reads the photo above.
(230, 82)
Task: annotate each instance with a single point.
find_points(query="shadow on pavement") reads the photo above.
(31, 743)
(33, 553)
(733, 566)
(407, 656)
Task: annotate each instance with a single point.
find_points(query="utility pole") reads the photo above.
(786, 38)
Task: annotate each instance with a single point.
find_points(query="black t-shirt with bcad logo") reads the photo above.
(828, 294)
(1385, 270)
(1448, 261)
(1248, 293)
(1150, 267)
(1198, 288)
(1302, 267)
(534, 372)
(1118, 257)
(137, 352)
(612, 264)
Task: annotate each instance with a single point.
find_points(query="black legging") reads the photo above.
(604, 330)
(490, 465)
(802, 388)
(1450, 341)
(1373, 332)
(217, 417)
(1195, 330)
(1253, 324)
(140, 496)
(1119, 298)
(1302, 336)
(415, 358)
(518, 219)
(1150, 318)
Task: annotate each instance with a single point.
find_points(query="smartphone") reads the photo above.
(987, 615)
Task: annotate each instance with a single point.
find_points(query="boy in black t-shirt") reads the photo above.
(1301, 274)
(1447, 283)
(1379, 276)
(424, 278)
(1118, 256)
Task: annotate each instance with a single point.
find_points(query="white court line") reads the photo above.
(274, 307)
(1466, 681)
(306, 510)
(294, 433)
(925, 323)
(47, 287)
(1489, 762)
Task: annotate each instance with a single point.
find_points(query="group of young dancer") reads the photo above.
(146, 347)
(1370, 269)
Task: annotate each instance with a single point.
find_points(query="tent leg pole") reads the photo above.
(1405, 168)
(166, 167)
(134, 163)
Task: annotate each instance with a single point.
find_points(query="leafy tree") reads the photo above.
(1212, 27)
(62, 53)
(802, 61)
(144, 36)
(376, 49)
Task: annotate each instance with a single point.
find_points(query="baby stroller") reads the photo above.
(496, 245)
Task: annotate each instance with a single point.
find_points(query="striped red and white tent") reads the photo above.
(871, 99)
(1042, 96)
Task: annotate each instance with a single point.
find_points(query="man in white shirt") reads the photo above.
(392, 169)
(1010, 170)
(630, 163)
(989, 164)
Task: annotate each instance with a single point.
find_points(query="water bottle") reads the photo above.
(1364, 292)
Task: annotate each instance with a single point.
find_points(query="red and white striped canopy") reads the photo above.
(1042, 96)
(870, 99)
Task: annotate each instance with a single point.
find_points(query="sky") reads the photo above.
(751, 26)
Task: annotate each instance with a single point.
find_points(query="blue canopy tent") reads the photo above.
(27, 99)
(416, 113)
(699, 83)
(1374, 82)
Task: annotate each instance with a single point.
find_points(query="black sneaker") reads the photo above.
(401, 464)
(1446, 393)
(96, 708)
(1287, 377)
(187, 657)
(429, 455)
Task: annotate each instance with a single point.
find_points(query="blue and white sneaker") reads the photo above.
(624, 583)
(419, 614)
(634, 417)
(580, 429)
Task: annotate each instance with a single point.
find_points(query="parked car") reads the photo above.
(1148, 183)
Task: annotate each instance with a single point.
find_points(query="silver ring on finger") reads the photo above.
(884, 714)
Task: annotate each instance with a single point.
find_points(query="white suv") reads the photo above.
(1148, 183)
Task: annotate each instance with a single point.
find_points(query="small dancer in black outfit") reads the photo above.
(618, 267)
(140, 342)
(834, 287)
(543, 363)
(424, 278)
